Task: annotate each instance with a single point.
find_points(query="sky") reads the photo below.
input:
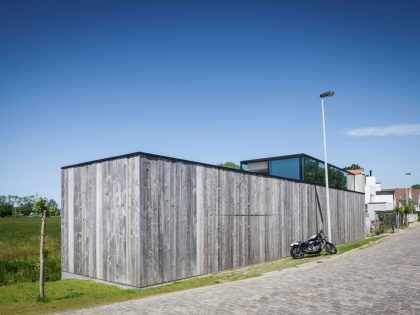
(207, 81)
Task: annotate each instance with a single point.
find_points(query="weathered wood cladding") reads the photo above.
(141, 220)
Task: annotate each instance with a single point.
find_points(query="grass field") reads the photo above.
(19, 249)
(21, 298)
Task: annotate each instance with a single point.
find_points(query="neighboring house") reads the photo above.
(401, 195)
(377, 198)
(359, 179)
(386, 196)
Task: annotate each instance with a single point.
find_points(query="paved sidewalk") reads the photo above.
(380, 279)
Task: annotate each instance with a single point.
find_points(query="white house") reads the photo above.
(377, 198)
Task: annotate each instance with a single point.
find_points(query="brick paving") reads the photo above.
(379, 279)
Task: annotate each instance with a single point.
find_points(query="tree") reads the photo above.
(6, 209)
(25, 208)
(6, 206)
(53, 206)
(409, 207)
(416, 186)
(230, 165)
(42, 207)
(354, 166)
(23, 205)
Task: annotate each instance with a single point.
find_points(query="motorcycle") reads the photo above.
(314, 245)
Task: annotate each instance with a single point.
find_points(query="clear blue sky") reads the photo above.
(207, 81)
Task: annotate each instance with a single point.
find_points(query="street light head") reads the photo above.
(407, 173)
(327, 94)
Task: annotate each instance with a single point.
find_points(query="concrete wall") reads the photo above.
(370, 190)
(359, 182)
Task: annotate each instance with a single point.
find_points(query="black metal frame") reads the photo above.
(301, 156)
(290, 156)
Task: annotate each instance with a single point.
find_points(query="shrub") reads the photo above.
(380, 229)
(27, 270)
(26, 208)
(6, 209)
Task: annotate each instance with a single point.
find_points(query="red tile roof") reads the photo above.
(400, 194)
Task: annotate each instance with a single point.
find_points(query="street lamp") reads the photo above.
(406, 191)
(322, 96)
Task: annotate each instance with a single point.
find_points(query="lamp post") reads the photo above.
(327, 194)
(406, 191)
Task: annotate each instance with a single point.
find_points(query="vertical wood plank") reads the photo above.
(98, 220)
(91, 217)
(64, 220)
(77, 222)
(200, 219)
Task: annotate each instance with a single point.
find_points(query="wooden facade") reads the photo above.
(143, 219)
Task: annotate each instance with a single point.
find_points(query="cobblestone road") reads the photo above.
(380, 279)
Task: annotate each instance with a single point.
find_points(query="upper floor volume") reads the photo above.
(304, 168)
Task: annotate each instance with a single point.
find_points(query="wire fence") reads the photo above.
(388, 222)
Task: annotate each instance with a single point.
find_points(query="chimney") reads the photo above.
(370, 172)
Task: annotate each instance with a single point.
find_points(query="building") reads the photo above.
(412, 194)
(385, 196)
(142, 219)
(377, 198)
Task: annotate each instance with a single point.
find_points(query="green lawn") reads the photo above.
(70, 294)
(19, 249)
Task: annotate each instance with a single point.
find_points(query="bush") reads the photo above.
(6, 209)
(26, 208)
(379, 230)
(24, 270)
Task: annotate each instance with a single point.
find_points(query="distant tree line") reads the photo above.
(24, 206)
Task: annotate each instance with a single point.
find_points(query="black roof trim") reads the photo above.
(167, 158)
(385, 192)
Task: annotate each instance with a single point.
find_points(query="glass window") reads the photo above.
(337, 178)
(288, 168)
(305, 169)
(258, 167)
(313, 171)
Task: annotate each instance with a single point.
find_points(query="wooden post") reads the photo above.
(41, 257)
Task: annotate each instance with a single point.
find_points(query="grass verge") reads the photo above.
(73, 294)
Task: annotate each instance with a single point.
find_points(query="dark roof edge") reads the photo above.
(275, 158)
(150, 155)
(162, 157)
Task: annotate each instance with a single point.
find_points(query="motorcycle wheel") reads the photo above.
(330, 248)
(296, 253)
